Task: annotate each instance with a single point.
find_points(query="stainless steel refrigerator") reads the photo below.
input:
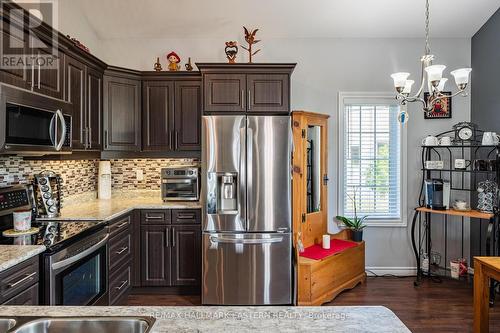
(246, 193)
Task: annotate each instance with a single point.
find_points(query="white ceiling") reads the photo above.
(283, 18)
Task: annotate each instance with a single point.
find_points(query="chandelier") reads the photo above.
(432, 76)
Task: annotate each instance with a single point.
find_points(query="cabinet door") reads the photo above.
(121, 99)
(187, 115)
(155, 255)
(94, 108)
(75, 94)
(26, 297)
(224, 92)
(186, 255)
(268, 93)
(49, 80)
(158, 110)
(14, 42)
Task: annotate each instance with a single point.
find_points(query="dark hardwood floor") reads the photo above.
(431, 307)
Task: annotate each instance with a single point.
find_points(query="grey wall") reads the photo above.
(485, 97)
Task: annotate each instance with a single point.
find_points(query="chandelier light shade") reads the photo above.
(431, 79)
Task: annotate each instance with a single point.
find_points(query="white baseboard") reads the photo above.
(398, 271)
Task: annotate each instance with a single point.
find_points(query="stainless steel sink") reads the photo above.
(6, 324)
(85, 325)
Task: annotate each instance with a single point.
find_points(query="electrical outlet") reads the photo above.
(139, 174)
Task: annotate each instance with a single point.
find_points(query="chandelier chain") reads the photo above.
(427, 47)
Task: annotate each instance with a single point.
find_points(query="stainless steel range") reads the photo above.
(74, 266)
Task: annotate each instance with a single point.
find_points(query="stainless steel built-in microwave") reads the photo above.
(31, 129)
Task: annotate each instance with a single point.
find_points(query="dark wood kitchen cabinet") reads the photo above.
(19, 284)
(120, 255)
(84, 91)
(186, 255)
(158, 116)
(246, 88)
(122, 111)
(170, 251)
(171, 114)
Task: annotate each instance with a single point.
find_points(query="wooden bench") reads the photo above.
(322, 280)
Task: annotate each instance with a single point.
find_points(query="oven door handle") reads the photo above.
(81, 255)
(178, 181)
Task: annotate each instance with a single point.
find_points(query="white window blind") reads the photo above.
(371, 159)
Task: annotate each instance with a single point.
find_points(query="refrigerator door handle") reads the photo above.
(218, 239)
(242, 179)
(249, 172)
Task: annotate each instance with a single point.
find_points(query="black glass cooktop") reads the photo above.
(55, 233)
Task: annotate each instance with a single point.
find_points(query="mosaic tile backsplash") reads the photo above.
(80, 176)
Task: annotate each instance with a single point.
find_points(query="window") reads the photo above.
(371, 159)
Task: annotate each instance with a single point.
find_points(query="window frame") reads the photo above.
(375, 98)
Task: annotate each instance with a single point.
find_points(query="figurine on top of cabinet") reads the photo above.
(173, 61)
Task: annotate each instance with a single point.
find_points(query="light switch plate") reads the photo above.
(139, 174)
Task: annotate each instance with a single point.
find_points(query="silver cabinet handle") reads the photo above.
(89, 139)
(39, 71)
(173, 237)
(85, 137)
(242, 99)
(216, 239)
(106, 139)
(24, 279)
(176, 140)
(167, 242)
(83, 254)
(124, 283)
(148, 217)
(123, 249)
(63, 130)
(122, 224)
(249, 100)
(186, 217)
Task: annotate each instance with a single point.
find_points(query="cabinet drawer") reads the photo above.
(119, 250)
(119, 225)
(119, 283)
(18, 278)
(186, 216)
(27, 297)
(156, 216)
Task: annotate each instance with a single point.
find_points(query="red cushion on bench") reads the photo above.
(317, 252)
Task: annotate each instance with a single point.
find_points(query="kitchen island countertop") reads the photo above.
(239, 319)
(108, 209)
(11, 255)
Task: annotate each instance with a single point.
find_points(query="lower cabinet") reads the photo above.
(170, 253)
(19, 284)
(120, 259)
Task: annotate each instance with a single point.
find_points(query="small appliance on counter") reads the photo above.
(47, 192)
(104, 182)
(437, 194)
(180, 184)
(16, 216)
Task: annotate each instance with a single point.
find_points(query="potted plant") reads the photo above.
(356, 224)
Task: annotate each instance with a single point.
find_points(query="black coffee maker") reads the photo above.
(437, 194)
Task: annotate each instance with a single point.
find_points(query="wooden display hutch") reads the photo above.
(318, 280)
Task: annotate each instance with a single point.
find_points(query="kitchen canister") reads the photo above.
(326, 242)
(22, 220)
(487, 196)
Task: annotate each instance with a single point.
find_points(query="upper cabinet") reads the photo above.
(171, 112)
(122, 111)
(246, 88)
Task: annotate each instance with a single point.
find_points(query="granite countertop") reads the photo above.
(239, 319)
(106, 210)
(11, 255)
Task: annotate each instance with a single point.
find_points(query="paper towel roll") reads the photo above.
(104, 181)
